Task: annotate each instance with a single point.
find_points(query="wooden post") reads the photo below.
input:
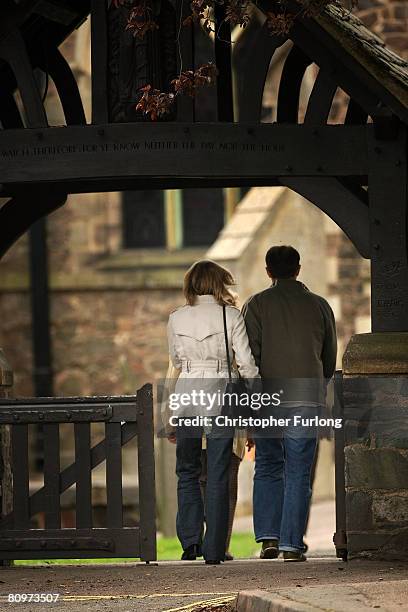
(388, 189)
(375, 366)
(146, 471)
(6, 384)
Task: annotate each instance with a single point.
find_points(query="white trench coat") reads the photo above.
(197, 348)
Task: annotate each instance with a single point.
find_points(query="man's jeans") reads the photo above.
(190, 515)
(282, 487)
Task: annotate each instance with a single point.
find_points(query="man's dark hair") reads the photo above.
(282, 261)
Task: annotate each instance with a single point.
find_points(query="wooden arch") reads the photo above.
(355, 171)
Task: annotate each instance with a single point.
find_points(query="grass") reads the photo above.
(243, 545)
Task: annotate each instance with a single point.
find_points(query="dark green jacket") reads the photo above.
(292, 332)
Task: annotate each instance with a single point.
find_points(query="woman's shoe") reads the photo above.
(270, 549)
(289, 555)
(212, 561)
(228, 557)
(191, 553)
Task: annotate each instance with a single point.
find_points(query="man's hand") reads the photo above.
(250, 444)
(172, 438)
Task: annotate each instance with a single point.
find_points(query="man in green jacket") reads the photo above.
(292, 335)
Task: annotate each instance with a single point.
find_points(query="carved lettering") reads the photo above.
(160, 146)
(150, 145)
(391, 268)
(389, 303)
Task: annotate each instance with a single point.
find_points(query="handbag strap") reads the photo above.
(224, 316)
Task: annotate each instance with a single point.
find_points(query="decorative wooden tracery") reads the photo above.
(356, 171)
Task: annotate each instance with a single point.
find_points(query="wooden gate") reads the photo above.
(124, 418)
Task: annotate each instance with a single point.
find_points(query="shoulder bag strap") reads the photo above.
(224, 316)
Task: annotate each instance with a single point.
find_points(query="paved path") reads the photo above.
(174, 586)
(357, 597)
(322, 524)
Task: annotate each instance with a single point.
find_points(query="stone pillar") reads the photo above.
(375, 387)
(6, 383)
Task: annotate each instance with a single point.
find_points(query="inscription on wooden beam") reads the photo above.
(72, 154)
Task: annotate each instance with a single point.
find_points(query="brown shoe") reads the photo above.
(270, 549)
(289, 555)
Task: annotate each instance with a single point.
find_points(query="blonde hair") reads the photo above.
(206, 277)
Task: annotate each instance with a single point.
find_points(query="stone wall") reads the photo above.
(116, 340)
(376, 445)
(104, 341)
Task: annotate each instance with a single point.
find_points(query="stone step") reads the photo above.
(357, 597)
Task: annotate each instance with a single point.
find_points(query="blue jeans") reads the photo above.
(282, 487)
(190, 515)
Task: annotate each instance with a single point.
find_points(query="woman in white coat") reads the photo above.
(197, 347)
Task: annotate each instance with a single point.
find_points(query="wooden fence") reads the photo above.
(124, 418)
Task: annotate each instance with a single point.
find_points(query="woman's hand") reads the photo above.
(172, 438)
